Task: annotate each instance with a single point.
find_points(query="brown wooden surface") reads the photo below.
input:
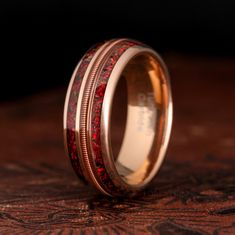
(194, 193)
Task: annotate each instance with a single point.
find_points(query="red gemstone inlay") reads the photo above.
(71, 113)
(100, 90)
(96, 114)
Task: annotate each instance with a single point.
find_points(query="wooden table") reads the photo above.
(194, 193)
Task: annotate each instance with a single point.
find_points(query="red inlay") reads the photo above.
(100, 90)
(96, 115)
(71, 113)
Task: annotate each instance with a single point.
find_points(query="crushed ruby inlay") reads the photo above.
(96, 115)
(103, 176)
(71, 113)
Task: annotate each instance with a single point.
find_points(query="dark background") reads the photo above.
(41, 41)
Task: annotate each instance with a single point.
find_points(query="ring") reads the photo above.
(118, 116)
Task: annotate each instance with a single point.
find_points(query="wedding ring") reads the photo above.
(118, 116)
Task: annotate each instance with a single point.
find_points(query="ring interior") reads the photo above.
(137, 118)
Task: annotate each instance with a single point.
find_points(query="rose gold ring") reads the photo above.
(118, 116)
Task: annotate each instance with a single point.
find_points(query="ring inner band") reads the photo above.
(137, 118)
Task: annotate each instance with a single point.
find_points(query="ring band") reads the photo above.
(118, 116)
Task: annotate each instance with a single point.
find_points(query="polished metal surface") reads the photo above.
(139, 82)
(149, 117)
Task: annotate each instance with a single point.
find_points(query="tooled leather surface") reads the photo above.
(194, 193)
